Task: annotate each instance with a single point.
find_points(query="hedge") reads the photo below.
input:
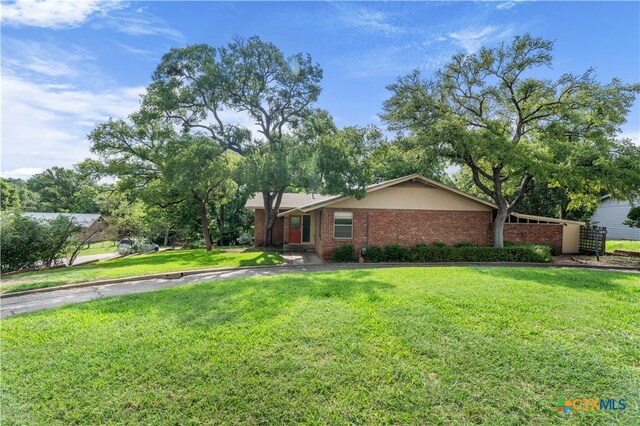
(438, 252)
(529, 253)
(345, 253)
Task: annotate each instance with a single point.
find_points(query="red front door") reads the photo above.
(295, 234)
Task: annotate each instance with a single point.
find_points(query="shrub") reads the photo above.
(374, 253)
(345, 253)
(523, 244)
(517, 253)
(245, 239)
(395, 253)
(28, 242)
(465, 244)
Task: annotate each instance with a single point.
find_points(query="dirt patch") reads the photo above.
(605, 260)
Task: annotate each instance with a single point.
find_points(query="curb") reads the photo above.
(331, 266)
(166, 275)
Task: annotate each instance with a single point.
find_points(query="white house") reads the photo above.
(612, 214)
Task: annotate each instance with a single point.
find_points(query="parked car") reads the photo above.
(136, 245)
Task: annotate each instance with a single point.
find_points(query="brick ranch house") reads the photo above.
(405, 211)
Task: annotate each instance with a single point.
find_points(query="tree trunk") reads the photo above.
(166, 237)
(498, 226)
(204, 221)
(270, 214)
(221, 225)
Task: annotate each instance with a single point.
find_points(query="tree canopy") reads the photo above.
(490, 113)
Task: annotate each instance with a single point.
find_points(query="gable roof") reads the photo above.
(82, 219)
(378, 186)
(290, 200)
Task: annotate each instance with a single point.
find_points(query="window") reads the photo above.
(343, 225)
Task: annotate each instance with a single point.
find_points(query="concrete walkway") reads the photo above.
(14, 305)
(301, 259)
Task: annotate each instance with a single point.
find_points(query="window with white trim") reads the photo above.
(343, 225)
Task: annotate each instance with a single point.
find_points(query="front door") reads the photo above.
(294, 230)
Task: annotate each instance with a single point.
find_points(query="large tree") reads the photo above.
(162, 166)
(490, 112)
(64, 190)
(212, 91)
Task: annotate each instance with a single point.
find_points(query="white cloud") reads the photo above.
(370, 20)
(21, 173)
(506, 5)
(54, 13)
(44, 59)
(472, 39)
(633, 135)
(138, 23)
(46, 124)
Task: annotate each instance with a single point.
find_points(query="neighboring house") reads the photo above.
(612, 214)
(406, 211)
(92, 224)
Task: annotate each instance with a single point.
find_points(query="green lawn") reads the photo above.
(152, 263)
(623, 245)
(384, 346)
(99, 248)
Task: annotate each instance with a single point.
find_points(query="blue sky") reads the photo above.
(67, 65)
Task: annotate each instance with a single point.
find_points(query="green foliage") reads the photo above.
(64, 190)
(633, 218)
(489, 112)
(470, 253)
(344, 159)
(28, 243)
(465, 244)
(395, 253)
(9, 196)
(374, 253)
(344, 253)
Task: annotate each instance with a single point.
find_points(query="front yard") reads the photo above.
(152, 263)
(385, 346)
(623, 245)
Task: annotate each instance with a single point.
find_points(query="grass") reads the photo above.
(152, 263)
(623, 245)
(100, 247)
(385, 346)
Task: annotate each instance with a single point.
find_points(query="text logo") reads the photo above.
(586, 404)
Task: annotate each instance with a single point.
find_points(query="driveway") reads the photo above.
(32, 302)
(92, 257)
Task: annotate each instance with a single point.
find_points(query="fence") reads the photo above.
(592, 235)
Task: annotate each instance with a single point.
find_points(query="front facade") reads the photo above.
(406, 211)
(612, 214)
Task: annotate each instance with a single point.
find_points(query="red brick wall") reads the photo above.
(278, 229)
(407, 228)
(535, 233)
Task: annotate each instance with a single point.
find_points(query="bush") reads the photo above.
(345, 253)
(245, 239)
(520, 253)
(395, 253)
(29, 243)
(465, 244)
(523, 244)
(374, 253)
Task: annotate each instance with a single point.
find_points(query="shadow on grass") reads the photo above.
(191, 258)
(250, 299)
(610, 282)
